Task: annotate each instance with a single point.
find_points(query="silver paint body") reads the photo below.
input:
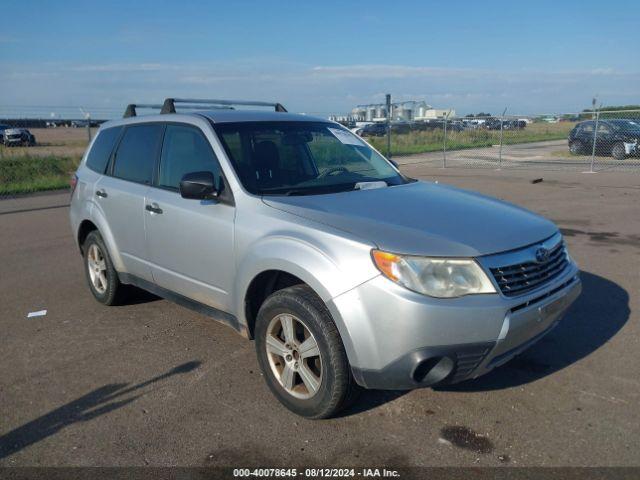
(210, 252)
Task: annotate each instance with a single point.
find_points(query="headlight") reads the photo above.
(436, 277)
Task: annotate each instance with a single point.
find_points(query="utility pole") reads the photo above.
(444, 140)
(87, 117)
(388, 125)
(89, 128)
(501, 133)
(595, 137)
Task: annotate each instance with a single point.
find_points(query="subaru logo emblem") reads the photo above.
(542, 255)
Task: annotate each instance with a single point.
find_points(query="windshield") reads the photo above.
(302, 158)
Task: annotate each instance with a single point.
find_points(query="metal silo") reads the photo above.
(371, 113)
(380, 111)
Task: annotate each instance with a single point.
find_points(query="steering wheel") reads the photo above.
(332, 171)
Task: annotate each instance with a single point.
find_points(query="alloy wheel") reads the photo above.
(97, 268)
(294, 356)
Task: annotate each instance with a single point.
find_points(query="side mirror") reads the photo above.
(198, 186)
(394, 163)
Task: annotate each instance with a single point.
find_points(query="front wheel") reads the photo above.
(301, 354)
(618, 151)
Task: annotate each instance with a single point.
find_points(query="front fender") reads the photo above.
(293, 256)
(327, 276)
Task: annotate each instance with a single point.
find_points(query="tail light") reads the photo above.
(73, 183)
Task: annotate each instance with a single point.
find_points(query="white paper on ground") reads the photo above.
(345, 137)
(39, 313)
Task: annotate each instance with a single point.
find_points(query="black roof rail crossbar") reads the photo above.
(169, 105)
(131, 108)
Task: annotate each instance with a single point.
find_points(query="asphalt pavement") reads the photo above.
(152, 383)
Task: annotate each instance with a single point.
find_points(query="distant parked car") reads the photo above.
(616, 137)
(2, 129)
(374, 130)
(497, 124)
(455, 126)
(85, 123)
(492, 124)
(22, 137)
(514, 124)
(400, 127)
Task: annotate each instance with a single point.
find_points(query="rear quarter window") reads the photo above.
(102, 147)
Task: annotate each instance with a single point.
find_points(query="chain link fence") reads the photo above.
(586, 141)
(40, 151)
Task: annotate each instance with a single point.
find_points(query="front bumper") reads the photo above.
(397, 339)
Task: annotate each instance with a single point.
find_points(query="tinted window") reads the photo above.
(102, 147)
(185, 150)
(587, 128)
(137, 152)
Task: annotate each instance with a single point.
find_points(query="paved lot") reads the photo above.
(154, 383)
(550, 155)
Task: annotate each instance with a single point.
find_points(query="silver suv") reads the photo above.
(301, 236)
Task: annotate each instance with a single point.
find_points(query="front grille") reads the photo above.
(523, 277)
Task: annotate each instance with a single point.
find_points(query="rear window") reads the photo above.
(137, 152)
(102, 147)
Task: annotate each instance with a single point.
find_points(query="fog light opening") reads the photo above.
(432, 370)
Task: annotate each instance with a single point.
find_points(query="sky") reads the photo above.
(321, 57)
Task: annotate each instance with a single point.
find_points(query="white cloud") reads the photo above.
(320, 89)
(125, 67)
(383, 71)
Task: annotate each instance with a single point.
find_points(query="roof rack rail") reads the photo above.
(169, 105)
(131, 108)
(132, 112)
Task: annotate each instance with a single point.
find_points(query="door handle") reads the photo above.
(153, 208)
(101, 194)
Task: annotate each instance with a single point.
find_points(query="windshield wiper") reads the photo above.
(308, 190)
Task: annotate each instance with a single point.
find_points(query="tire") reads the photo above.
(99, 269)
(576, 147)
(618, 151)
(335, 388)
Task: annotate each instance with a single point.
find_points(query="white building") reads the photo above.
(409, 111)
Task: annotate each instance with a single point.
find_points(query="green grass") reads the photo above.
(27, 174)
(432, 141)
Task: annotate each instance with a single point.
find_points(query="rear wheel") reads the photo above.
(618, 151)
(101, 275)
(576, 147)
(301, 354)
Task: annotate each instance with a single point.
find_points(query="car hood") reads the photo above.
(422, 218)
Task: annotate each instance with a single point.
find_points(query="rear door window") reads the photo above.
(587, 128)
(102, 147)
(136, 156)
(185, 150)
